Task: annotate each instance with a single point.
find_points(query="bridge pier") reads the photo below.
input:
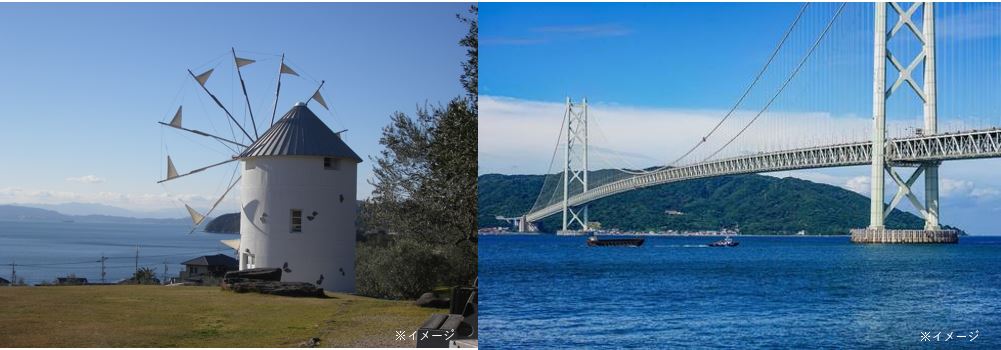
(876, 232)
(882, 235)
(575, 167)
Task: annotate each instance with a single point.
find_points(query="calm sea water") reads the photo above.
(46, 250)
(772, 292)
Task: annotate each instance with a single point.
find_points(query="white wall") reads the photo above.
(274, 186)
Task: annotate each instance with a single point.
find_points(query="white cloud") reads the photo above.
(954, 188)
(87, 179)
(985, 193)
(590, 30)
(519, 135)
(132, 201)
(970, 23)
(860, 184)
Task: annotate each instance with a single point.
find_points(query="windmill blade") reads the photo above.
(244, 86)
(217, 102)
(278, 89)
(286, 69)
(319, 99)
(316, 96)
(202, 133)
(204, 77)
(170, 166)
(240, 62)
(176, 121)
(171, 171)
(196, 217)
(214, 205)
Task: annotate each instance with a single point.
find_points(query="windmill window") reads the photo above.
(296, 226)
(330, 163)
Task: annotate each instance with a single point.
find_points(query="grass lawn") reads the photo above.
(158, 316)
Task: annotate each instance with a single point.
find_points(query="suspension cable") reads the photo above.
(552, 160)
(743, 96)
(799, 66)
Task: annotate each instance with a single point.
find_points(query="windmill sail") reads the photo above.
(214, 205)
(202, 133)
(240, 62)
(204, 77)
(176, 121)
(288, 70)
(196, 217)
(171, 171)
(282, 69)
(201, 81)
(319, 99)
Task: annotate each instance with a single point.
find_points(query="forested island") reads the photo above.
(758, 204)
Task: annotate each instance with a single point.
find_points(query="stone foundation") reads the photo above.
(869, 235)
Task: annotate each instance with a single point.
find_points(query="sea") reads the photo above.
(547, 292)
(43, 251)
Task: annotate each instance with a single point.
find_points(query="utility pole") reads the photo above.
(165, 271)
(13, 273)
(103, 258)
(137, 260)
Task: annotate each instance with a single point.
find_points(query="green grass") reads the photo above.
(158, 316)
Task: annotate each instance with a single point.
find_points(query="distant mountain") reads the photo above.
(225, 223)
(759, 204)
(74, 208)
(22, 213)
(19, 213)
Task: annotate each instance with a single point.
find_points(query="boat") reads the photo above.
(725, 242)
(594, 241)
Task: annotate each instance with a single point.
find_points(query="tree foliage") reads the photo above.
(145, 275)
(425, 196)
(470, 42)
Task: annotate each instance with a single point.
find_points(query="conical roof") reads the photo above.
(300, 133)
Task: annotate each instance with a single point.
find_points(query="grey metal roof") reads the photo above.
(300, 133)
(213, 260)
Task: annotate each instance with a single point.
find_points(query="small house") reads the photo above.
(71, 281)
(208, 267)
(4, 282)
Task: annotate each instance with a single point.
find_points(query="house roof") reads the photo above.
(71, 279)
(213, 260)
(300, 133)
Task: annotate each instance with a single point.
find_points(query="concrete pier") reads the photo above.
(881, 235)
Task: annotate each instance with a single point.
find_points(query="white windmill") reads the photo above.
(298, 191)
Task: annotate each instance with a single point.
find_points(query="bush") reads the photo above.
(402, 269)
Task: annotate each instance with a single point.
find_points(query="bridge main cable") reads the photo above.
(743, 96)
(799, 66)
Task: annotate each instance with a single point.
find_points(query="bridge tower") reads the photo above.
(575, 164)
(926, 92)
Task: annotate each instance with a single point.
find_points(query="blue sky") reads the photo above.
(658, 77)
(83, 86)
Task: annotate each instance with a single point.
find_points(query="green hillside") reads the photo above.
(759, 204)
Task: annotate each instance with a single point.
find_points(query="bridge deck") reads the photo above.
(941, 147)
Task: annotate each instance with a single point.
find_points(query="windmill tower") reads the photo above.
(298, 202)
(298, 192)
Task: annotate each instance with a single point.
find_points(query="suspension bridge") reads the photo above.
(827, 61)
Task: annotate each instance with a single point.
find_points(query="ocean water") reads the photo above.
(46, 250)
(770, 292)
